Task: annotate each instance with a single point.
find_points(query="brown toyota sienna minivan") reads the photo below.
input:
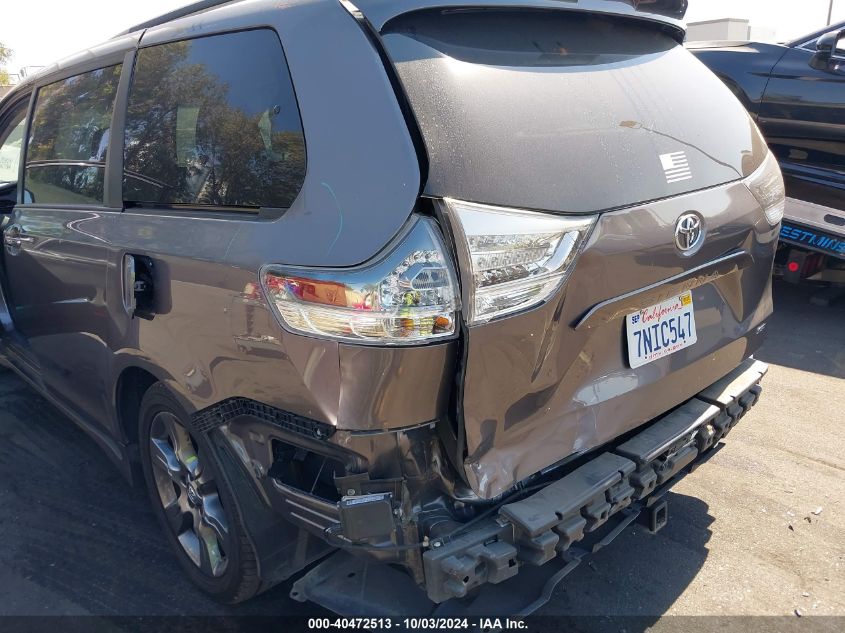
(436, 293)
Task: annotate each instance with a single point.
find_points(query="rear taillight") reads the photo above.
(767, 186)
(406, 295)
(512, 260)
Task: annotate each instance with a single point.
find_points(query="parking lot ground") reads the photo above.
(759, 529)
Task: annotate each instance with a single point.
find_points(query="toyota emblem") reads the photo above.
(689, 233)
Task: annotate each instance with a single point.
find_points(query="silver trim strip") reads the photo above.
(314, 512)
(607, 311)
(309, 522)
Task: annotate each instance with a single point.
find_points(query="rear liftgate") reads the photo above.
(543, 537)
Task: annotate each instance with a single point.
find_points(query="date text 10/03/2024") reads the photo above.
(431, 624)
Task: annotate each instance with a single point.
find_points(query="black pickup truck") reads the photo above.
(796, 93)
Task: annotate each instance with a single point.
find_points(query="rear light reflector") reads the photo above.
(512, 260)
(406, 295)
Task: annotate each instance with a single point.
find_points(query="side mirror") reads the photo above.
(827, 44)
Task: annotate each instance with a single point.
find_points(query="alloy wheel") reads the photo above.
(188, 494)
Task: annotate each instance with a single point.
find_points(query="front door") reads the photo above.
(55, 252)
(803, 119)
(13, 345)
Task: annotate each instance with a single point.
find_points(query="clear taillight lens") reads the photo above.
(512, 260)
(407, 295)
(767, 186)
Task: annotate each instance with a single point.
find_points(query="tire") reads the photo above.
(193, 503)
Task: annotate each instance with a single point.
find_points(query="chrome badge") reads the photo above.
(689, 233)
(676, 167)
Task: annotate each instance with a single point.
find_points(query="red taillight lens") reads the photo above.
(407, 295)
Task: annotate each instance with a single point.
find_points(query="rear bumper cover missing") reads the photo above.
(538, 529)
(543, 537)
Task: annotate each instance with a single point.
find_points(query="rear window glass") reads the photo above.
(563, 110)
(66, 153)
(214, 122)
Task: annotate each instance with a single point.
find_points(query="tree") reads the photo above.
(5, 55)
(189, 140)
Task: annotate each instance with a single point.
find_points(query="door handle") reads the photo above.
(14, 238)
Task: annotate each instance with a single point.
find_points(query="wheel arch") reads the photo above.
(134, 376)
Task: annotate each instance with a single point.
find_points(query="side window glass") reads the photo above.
(213, 122)
(11, 142)
(66, 152)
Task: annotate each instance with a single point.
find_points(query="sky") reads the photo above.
(790, 19)
(43, 31)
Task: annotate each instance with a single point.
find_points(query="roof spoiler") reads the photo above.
(668, 12)
(195, 7)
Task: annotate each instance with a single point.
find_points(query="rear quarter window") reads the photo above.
(213, 122)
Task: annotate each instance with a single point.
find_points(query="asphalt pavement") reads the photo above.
(759, 529)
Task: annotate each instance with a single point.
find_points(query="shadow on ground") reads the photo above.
(76, 539)
(788, 344)
(640, 574)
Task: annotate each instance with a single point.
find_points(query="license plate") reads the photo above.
(661, 330)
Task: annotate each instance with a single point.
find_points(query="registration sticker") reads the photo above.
(661, 330)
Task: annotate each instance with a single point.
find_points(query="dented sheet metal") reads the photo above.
(538, 390)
